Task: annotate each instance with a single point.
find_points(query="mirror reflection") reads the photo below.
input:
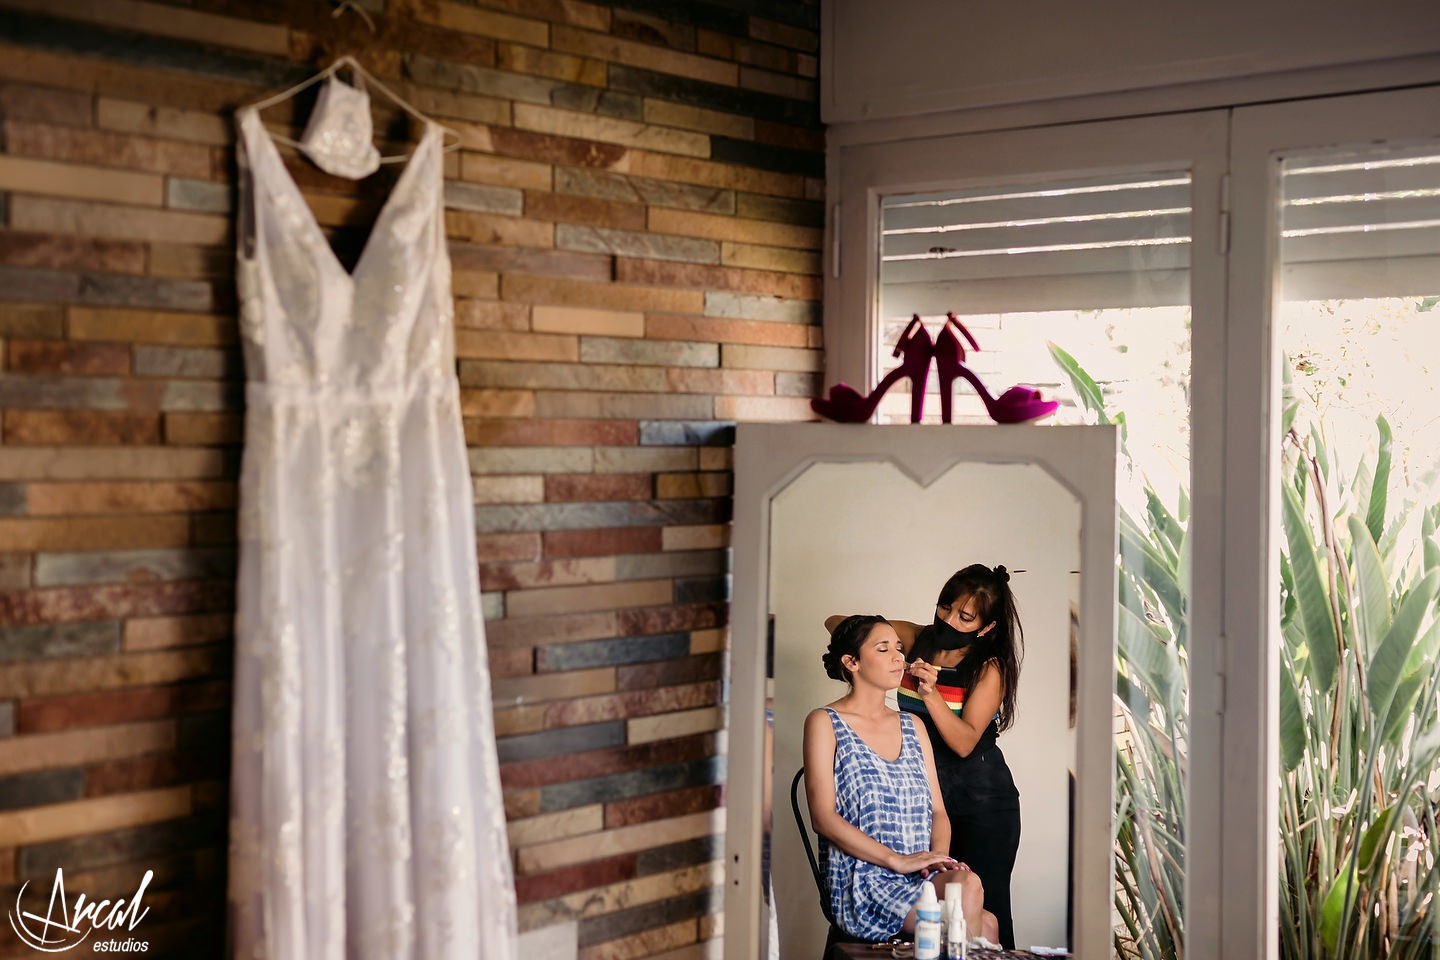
(864, 538)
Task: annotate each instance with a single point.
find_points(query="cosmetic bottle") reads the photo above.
(955, 932)
(927, 924)
(952, 902)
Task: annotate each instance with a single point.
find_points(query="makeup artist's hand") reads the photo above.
(925, 676)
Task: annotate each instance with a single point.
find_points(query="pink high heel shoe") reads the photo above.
(1019, 404)
(845, 405)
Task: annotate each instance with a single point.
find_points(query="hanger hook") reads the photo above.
(344, 5)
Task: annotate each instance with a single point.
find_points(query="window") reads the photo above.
(1359, 445)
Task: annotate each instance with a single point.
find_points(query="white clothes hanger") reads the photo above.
(342, 5)
(365, 77)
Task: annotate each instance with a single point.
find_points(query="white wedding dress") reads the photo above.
(366, 819)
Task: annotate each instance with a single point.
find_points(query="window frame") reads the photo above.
(860, 174)
(1233, 157)
(1261, 137)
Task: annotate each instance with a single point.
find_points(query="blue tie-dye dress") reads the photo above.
(890, 802)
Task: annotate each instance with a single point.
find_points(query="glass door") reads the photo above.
(1332, 729)
(1086, 261)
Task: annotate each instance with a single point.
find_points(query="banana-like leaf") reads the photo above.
(1319, 451)
(1425, 746)
(1400, 533)
(1311, 596)
(1131, 696)
(1380, 487)
(1293, 737)
(1289, 398)
(1360, 489)
(1148, 565)
(1143, 538)
(1388, 664)
(1085, 387)
(1133, 596)
(1332, 908)
(1293, 632)
(1288, 607)
(1154, 660)
(1182, 581)
(1373, 843)
(1427, 537)
(1162, 523)
(1406, 694)
(1372, 585)
(1425, 651)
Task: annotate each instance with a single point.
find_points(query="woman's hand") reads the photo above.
(961, 733)
(926, 677)
(915, 862)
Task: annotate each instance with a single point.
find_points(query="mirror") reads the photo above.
(864, 538)
(838, 519)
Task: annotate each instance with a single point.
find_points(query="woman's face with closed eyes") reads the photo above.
(880, 662)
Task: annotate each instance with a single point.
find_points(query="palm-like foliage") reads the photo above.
(1359, 702)
(1150, 677)
(1359, 734)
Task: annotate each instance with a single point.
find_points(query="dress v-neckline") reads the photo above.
(866, 743)
(251, 118)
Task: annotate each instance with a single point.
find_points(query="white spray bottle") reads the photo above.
(927, 924)
(953, 917)
(956, 936)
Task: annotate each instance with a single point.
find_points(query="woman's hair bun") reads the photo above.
(845, 641)
(1001, 573)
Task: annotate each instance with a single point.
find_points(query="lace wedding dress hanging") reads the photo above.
(367, 819)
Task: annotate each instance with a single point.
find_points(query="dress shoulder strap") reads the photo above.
(907, 729)
(844, 746)
(909, 738)
(245, 162)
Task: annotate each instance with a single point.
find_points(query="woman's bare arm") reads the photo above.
(939, 819)
(981, 701)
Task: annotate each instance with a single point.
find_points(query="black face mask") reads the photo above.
(949, 638)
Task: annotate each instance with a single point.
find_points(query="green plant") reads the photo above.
(1359, 730)
(1359, 714)
(1150, 678)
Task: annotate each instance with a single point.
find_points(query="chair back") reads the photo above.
(809, 848)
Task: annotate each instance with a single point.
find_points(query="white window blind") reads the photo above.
(1362, 229)
(1118, 242)
(1353, 229)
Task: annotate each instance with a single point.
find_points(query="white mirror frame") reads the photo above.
(768, 458)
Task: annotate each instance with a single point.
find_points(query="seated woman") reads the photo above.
(873, 795)
(963, 676)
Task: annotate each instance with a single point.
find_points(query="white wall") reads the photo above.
(909, 57)
(863, 538)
